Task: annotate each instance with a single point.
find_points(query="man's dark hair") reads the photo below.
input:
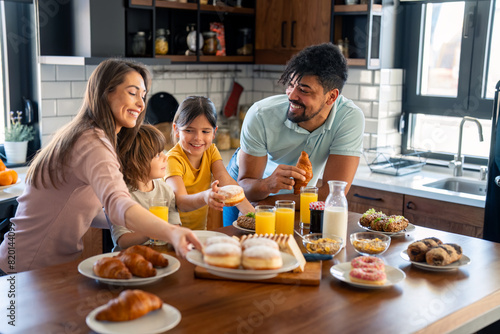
(325, 61)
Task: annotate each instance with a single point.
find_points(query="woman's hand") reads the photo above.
(181, 238)
(213, 199)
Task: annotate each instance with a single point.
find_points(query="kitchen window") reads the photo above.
(451, 71)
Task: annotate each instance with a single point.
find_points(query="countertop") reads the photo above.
(413, 184)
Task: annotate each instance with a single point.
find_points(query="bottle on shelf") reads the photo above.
(161, 43)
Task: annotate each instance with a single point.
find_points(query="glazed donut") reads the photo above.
(234, 195)
(368, 276)
(224, 255)
(261, 258)
(259, 242)
(221, 239)
(368, 262)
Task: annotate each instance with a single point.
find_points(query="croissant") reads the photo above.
(416, 251)
(156, 258)
(110, 267)
(137, 264)
(443, 255)
(129, 305)
(304, 164)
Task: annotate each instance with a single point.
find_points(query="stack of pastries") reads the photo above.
(434, 252)
(378, 221)
(255, 254)
(134, 261)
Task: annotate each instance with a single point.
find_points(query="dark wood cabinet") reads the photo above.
(359, 27)
(286, 27)
(445, 216)
(178, 18)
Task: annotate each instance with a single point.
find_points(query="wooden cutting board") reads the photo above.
(310, 276)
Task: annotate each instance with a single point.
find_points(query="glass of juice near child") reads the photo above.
(158, 207)
(265, 219)
(285, 216)
(307, 195)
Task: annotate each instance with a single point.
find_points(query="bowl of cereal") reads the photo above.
(314, 243)
(370, 243)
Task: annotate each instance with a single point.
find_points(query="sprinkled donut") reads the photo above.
(368, 276)
(368, 262)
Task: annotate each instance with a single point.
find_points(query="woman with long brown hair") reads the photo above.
(78, 173)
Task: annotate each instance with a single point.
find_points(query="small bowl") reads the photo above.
(370, 243)
(314, 243)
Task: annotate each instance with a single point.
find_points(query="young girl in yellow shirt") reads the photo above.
(192, 162)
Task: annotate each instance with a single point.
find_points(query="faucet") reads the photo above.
(458, 162)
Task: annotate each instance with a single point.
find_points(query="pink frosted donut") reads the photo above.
(368, 276)
(369, 262)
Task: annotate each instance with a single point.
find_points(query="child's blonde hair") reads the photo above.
(136, 161)
(192, 107)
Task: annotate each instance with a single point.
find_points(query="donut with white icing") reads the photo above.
(234, 195)
(222, 254)
(221, 239)
(259, 242)
(261, 258)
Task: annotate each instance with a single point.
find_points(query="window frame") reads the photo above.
(469, 100)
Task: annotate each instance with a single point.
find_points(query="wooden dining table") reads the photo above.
(58, 299)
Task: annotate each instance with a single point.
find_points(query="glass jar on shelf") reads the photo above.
(139, 44)
(245, 45)
(161, 42)
(234, 132)
(210, 43)
(223, 139)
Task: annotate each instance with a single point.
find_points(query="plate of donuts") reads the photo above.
(86, 269)
(289, 263)
(342, 271)
(463, 261)
(410, 228)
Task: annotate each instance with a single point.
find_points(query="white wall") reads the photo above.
(377, 93)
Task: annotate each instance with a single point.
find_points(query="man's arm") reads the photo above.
(251, 170)
(341, 168)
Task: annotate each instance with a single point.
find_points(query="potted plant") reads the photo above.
(17, 136)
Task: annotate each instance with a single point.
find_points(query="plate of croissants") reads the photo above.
(432, 254)
(136, 265)
(134, 311)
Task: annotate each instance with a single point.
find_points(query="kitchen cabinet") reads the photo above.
(176, 18)
(359, 28)
(445, 216)
(285, 27)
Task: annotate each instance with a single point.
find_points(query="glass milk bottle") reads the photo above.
(335, 215)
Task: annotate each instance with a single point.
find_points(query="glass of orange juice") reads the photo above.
(307, 195)
(158, 207)
(265, 219)
(285, 216)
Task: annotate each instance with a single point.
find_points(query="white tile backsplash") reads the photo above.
(63, 89)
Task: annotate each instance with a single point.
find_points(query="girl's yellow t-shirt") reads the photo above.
(195, 180)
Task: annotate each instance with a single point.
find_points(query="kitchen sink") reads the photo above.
(456, 184)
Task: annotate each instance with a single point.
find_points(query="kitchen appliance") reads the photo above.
(492, 210)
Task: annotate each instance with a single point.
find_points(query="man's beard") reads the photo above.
(302, 117)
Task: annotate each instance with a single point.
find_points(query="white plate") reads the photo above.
(204, 235)
(465, 260)
(341, 272)
(235, 224)
(410, 228)
(157, 321)
(10, 185)
(289, 263)
(86, 269)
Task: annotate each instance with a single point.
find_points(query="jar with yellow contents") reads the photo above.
(161, 43)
